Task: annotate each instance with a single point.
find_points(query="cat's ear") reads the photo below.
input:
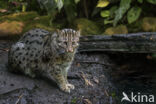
(59, 32)
(78, 33)
(56, 33)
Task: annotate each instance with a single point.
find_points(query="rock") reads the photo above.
(18, 23)
(121, 29)
(11, 28)
(149, 24)
(3, 10)
(87, 27)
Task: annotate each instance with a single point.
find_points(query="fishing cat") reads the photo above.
(41, 53)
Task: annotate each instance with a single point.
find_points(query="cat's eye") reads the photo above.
(75, 44)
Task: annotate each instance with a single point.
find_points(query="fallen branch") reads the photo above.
(128, 43)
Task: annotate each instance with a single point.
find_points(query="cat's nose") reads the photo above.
(70, 50)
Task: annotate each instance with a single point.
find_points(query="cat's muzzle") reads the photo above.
(70, 50)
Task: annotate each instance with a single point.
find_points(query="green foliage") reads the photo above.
(3, 4)
(151, 1)
(140, 1)
(102, 3)
(21, 5)
(133, 14)
(117, 14)
(105, 13)
(52, 5)
(77, 1)
(49, 5)
(112, 12)
(124, 6)
(15, 0)
(74, 100)
(70, 10)
(59, 4)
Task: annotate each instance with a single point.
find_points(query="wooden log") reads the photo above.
(144, 42)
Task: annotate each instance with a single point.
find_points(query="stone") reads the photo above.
(19, 23)
(11, 28)
(121, 29)
(149, 24)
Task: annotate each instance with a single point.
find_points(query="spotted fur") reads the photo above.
(41, 53)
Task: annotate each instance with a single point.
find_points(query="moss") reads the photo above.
(87, 27)
(22, 16)
(135, 27)
(149, 24)
(3, 4)
(121, 29)
(29, 19)
(29, 27)
(11, 28)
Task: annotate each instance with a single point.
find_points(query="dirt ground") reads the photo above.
(88, 73)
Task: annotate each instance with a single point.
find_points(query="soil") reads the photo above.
(88, 73)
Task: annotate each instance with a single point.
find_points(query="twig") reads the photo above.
(106, 93)
(87, 82)
(19, 98)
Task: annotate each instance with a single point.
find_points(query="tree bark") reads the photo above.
(130, 43)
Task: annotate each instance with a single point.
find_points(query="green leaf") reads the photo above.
(108, 22)
(59, 4)
(112, 11)
(151, 1)
(124, 6)
(70, 10)
(102, 3)
(133, 14)
(77, 1)
(140, 1)
(49, 5)
(24, 8)
(105, 13)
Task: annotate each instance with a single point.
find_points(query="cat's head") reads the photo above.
(68, 39)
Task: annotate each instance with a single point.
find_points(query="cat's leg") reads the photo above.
(59, 78)
(65, 73)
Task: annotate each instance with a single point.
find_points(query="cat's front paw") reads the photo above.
(65, 89)
(70, 86)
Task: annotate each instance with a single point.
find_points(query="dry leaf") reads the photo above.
(78, 65)
(87, 82)
(95, 80)
(87, 101)
(106, 93)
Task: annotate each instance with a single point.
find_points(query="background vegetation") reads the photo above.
(91, 16)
